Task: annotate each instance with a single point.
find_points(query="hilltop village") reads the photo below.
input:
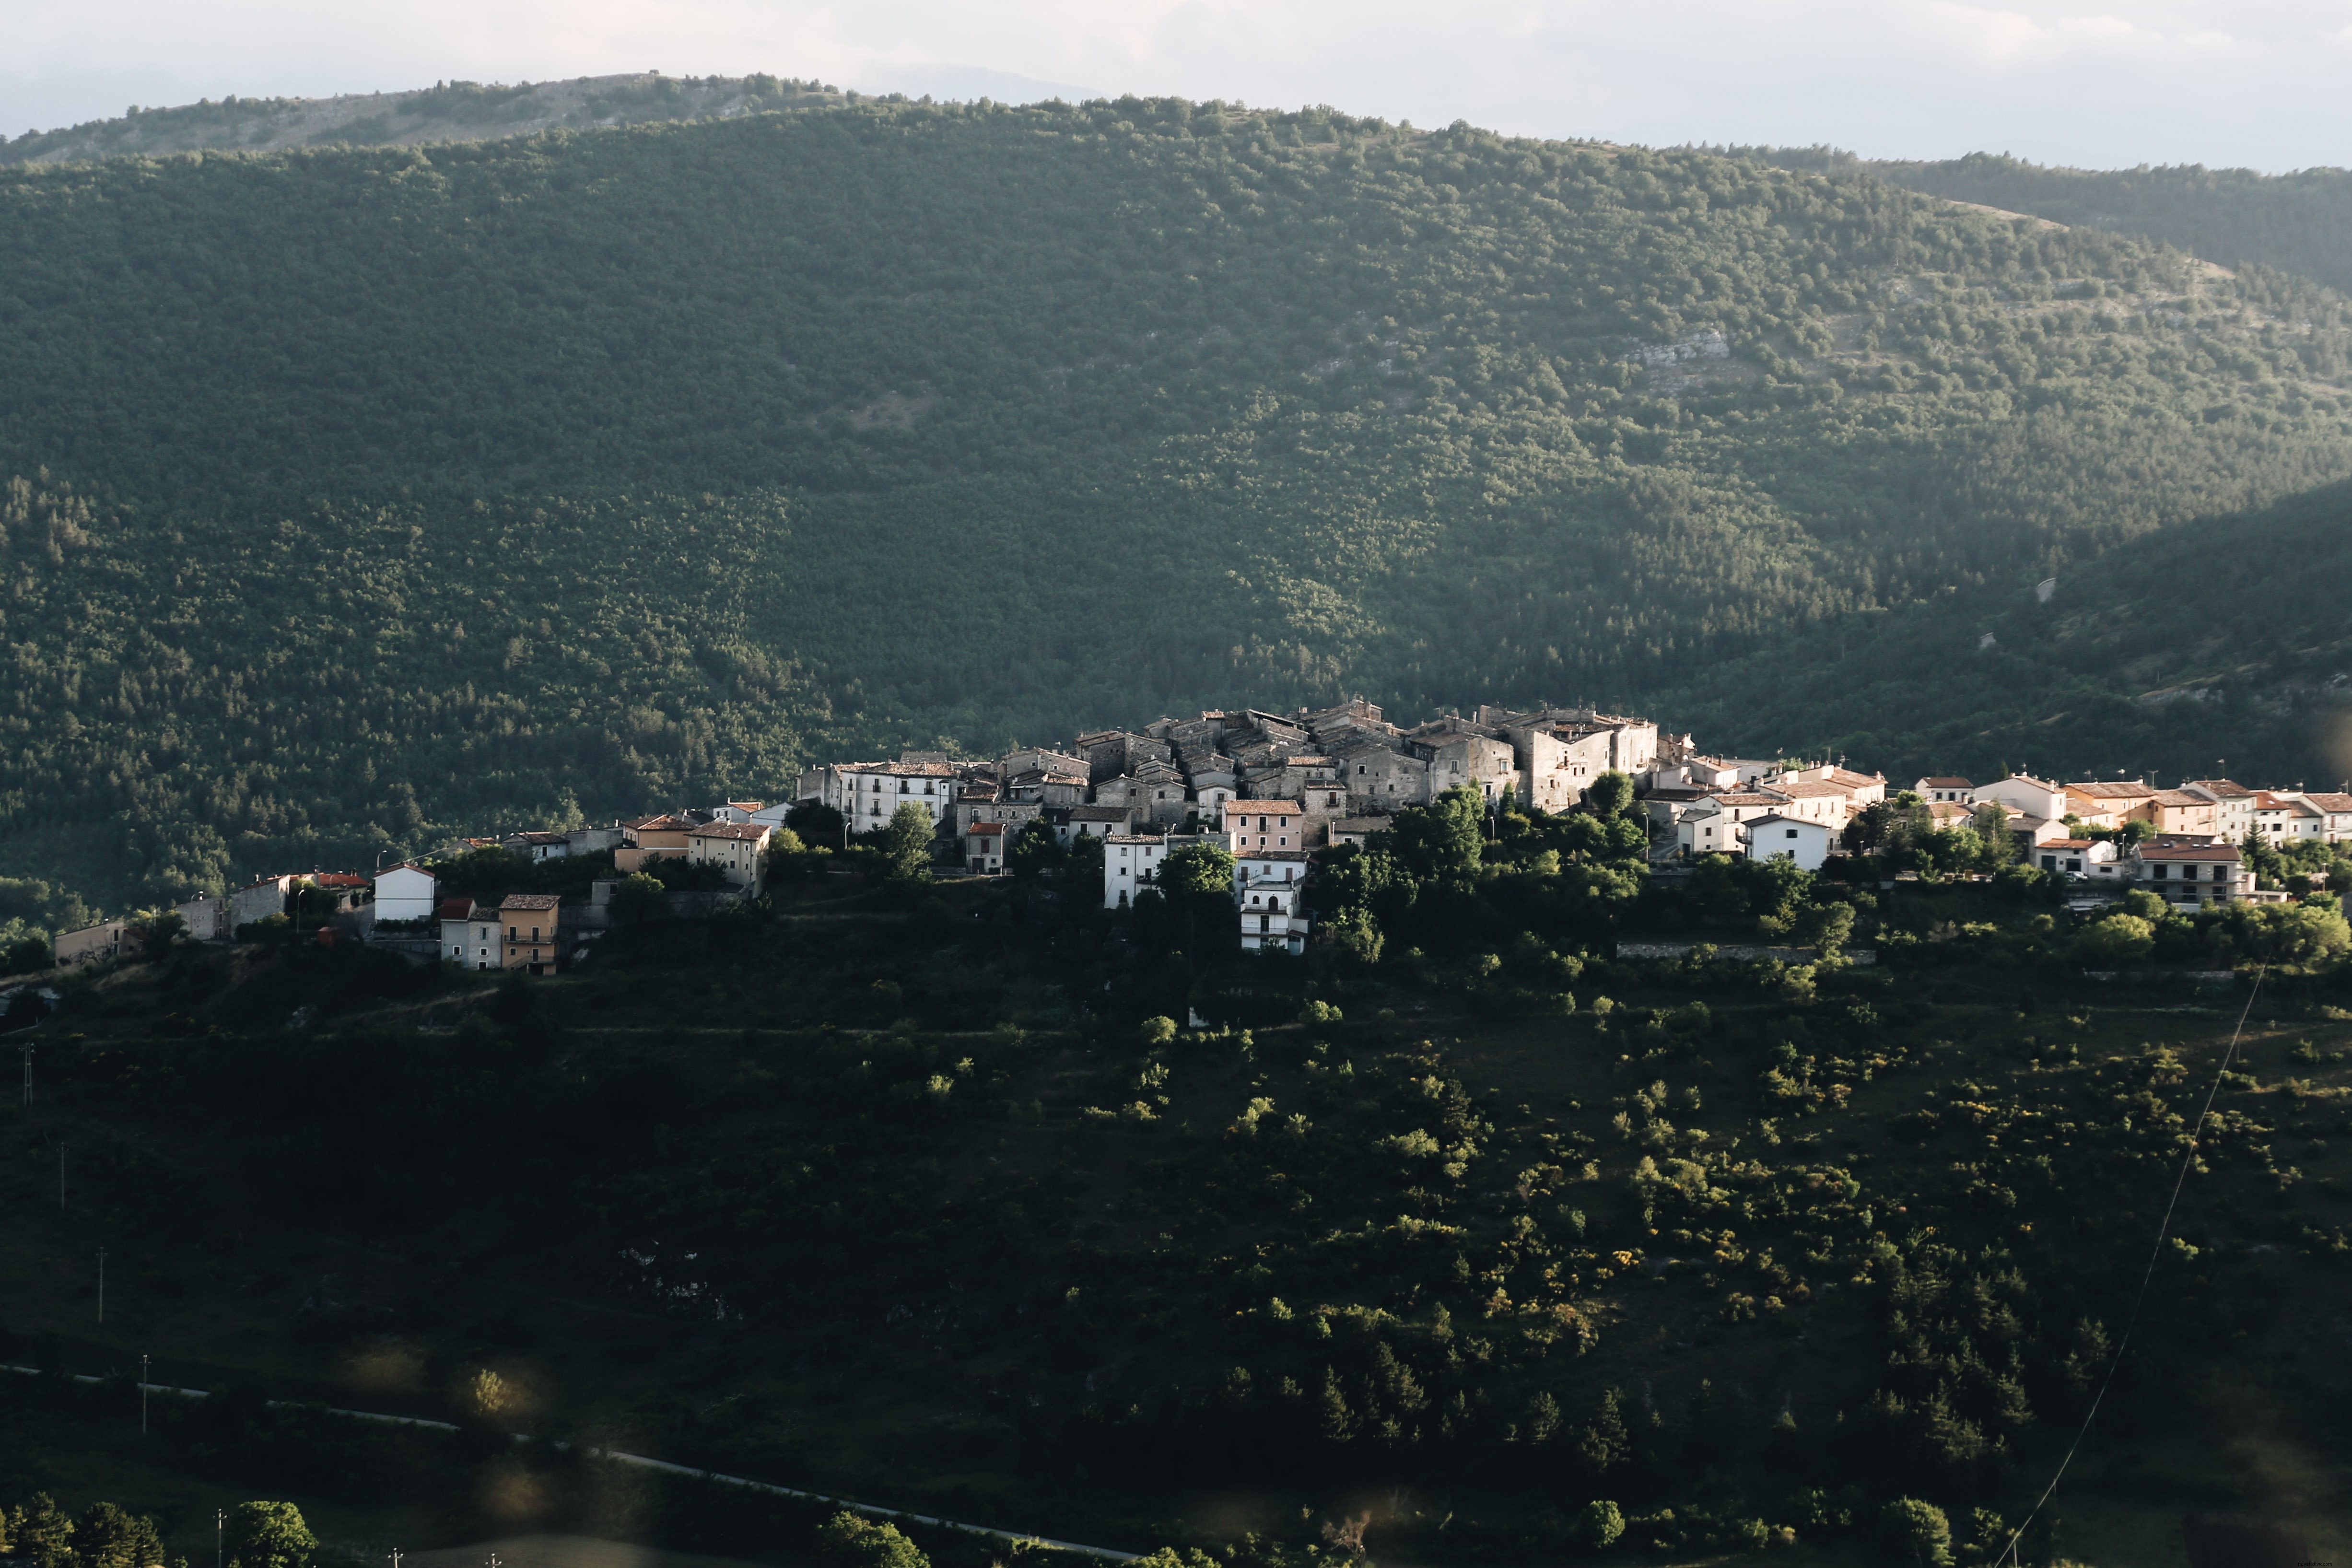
(1275, 793)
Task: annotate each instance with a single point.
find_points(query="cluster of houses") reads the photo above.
(401, 907)
(1275, 789)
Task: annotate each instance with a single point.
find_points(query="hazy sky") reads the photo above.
(2092, 82)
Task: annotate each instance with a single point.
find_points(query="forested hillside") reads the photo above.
(2299, 222)
(1459, 1241)
(2222, 646)
(445, 111)
(369, 494)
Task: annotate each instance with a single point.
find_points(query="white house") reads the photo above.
(2189, 872)
(2285, 818)
(1716, 825)
(2040, 800)
(1269, 885)
(2233, 806)
(1802, 839)
(870, 793)
(1707, 829)
(2336, 812)
(2091, 858)
(984, 848)
(1949, 788)
(1130, 862)
(405, 893)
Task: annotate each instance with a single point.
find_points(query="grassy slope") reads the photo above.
(1018, 1269)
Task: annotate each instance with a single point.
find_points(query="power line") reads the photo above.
(2148, 1276)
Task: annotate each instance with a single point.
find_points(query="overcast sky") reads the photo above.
(2098, 83)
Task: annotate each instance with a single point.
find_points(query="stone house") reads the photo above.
(258, 901)
(740, 850)
(207, 918)
(1011, 815)
(1071, 823)
(1047, 788)
(1379, 776)
(1461, 755)
(92, 944)
(537, 846)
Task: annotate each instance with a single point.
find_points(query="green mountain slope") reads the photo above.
(2299, 223)
(2221, 646)
(445, 111)
(725, 444)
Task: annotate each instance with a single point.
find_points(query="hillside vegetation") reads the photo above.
(2299, 223)
(2224, 646)
(370, 494)
(445, 111)
(1502, 1249)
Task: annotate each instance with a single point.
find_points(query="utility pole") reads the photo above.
(62, 1178)
(220, 1521)
(142, 1397)
(101, 1284)
(28, 1078)
(393, 1556)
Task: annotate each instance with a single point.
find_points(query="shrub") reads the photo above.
(1913, 1534)
(2113, 942)
(848, 1540)
(1599, 1525)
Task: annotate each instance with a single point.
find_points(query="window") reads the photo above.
(1792, 833)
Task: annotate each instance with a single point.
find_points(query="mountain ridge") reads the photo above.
(447, 111)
